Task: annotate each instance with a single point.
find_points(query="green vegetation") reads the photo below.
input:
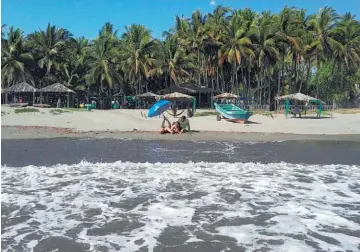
(59, 111)
(26, 110)
(256, 54)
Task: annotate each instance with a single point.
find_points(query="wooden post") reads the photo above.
(41, 98)
(33, 98)
(68, 99)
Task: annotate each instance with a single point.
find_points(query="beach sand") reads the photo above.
(131, 124)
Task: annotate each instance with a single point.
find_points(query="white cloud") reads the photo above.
(212, 2)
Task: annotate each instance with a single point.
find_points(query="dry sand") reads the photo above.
(130, 123)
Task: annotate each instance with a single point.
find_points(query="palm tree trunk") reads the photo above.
(278, 88)
(269, 92)
(307, 78)
(237, 80)
(233, 77)
(217, 78)
(222, 79)
(199, 74)
(342, 75)
(290, 77)
(140, 88)
(249, 81)
(206, 79)
(283, 69)
(212, 83)
(258, 86)
(317, 78)
(295, 72)
(279, 81)
(87, 95)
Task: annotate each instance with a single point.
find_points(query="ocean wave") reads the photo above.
(181, 206)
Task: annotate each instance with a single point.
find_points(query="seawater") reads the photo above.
(202, 206)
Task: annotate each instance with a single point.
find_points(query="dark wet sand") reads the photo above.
(22, 132)
(50, 151)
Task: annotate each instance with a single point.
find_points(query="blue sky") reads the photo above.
(86, 17)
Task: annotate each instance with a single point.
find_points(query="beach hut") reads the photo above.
(226, 96)
(21, 88)
(299, 97)
(147, 95)
(203, 94)
(302, 98)
(147, 98)
(176, 96)
(180, 97)
(57, 88)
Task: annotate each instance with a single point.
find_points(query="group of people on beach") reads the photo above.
(180, 126)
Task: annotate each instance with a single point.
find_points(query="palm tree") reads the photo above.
(175, 62)
(77, 67)
(346, 44)
(288, 33)
(322, 25)
(15, 59)
(266, 50)
(192, 34)
(137, 54)
(238, 50)
(50, 48)
(108, 31)
(2, 32)
(215, 22)
(100, 58)
(235, 44)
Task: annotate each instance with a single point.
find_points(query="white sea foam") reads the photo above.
(132, 205)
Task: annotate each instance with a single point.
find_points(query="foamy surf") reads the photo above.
(181, 207)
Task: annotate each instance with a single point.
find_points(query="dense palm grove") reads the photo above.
(255, 55)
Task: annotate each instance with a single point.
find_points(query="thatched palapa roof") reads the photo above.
(147, 95)
(298, 97)
(176, 95)
(56, 88)
(189, 88)
(22, 87)
(226, 96)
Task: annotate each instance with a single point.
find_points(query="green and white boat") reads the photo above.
(232, 112)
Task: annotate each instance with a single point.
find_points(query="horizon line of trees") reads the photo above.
(257, 55)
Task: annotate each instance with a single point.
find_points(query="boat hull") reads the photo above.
(232, 112)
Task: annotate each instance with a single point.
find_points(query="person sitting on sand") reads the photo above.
(184, 124)
(297, 111)
(171, 128)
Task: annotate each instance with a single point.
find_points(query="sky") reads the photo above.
(86, 17)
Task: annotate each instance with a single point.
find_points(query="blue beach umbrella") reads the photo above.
(159, 107)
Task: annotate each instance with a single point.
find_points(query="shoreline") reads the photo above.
(35, 132)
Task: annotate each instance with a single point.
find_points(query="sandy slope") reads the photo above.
(128, 120)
